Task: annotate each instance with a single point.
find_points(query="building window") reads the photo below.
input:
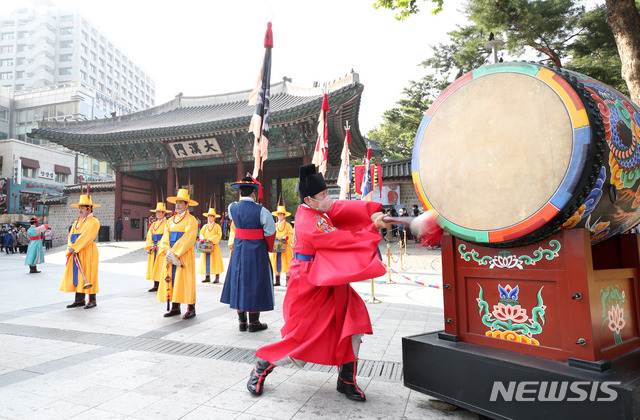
(62, 178)
(83, 75)
(6, 76)
(93, 68)
(28, 172)
(21, 60)
(66, 31)
(66, 44)
(4, 113)
(23, 48)
(66, 57)
(135, 223)
(83, 48)
(19, 75)
(6, 62)
(6, 36)
(6, 49)
(85, 36)
(65, 71)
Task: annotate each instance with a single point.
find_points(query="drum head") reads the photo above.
(495, 152)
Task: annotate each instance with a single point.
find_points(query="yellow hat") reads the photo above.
(212, 212)
(281, 209)
(161, 207)
(85, 200)
(183, 195)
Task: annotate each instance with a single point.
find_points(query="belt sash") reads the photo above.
(173, 238)
(34, 238)
(74, 237)
(304, 257)
(250, 234)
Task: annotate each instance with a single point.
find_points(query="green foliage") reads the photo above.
(594, 51)
(289, 195)
(405, 8)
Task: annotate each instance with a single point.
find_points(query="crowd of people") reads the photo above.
(333, 244)
(15, 239)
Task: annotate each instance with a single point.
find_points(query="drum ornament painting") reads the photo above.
(511, 153)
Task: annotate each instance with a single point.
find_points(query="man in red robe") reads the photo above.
(334, 244)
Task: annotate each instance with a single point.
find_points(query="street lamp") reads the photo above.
(494, 43)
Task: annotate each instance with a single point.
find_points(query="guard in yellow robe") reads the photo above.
(179, 272)
(82, 255)
(211, 257)
(155, 260)
(281, 257)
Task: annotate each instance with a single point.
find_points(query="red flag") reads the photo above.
(322, 145)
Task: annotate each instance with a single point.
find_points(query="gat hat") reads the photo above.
(161, 207)
(212, 212)
(34, 221)
(247, 181)
(311, 182)
(183, 195)
(281, 209)
(85, 200)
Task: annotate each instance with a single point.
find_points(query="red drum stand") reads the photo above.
(550, 328)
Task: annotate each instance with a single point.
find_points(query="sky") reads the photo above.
(206, 47)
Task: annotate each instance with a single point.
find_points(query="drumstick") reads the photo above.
(426, 222)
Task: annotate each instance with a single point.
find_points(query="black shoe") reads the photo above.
(277, 282)
(207, 280)
(34, 271)
(347, 382)
(153, 289)
(254, 322)
(217, 280)
(242, 321)
(191, 312)
(172, 312)
(260, 371)
(76, 304)
(91, 304)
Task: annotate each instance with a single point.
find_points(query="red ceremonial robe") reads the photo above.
(321, 310)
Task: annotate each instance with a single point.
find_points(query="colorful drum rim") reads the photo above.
(579, 153)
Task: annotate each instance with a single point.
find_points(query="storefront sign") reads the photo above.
(17, 171)
(46, 174)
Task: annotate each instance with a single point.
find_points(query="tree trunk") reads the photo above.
(624, 20)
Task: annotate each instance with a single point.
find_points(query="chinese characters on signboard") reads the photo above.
(17, 171)
(195, 148)
(4, 192)
(46, 174)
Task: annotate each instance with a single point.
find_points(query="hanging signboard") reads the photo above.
(200, 148)
(17, 171)
(4, 192)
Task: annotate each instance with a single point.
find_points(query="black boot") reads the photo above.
(254, 322)
(92, 301)
(347, 382)
(155, 286)
(242, 321)
(191, 311)
(175, 310)
(33, 269)
(277, 283)
(207, 279)
(217, 280)
(258, 374)
(78, 302)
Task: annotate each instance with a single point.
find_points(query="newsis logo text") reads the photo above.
(522, 391)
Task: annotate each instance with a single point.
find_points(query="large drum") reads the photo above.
(513, 152)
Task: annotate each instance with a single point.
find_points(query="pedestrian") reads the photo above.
(119, 229)
(335, 244)
(48, 238)
(248, 286)
(14, 242)
(210, 257)
(81, 269)
(7, 240)
(282, 253)
(3, 232)
(179, 272)
(35, 254)
(155, 261)
(23, 240)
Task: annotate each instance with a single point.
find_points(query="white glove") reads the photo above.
(171, 258)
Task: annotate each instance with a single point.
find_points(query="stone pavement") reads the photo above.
(123, 360)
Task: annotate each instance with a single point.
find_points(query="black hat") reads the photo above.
(311, 182)
(247, 181)
(34, 221)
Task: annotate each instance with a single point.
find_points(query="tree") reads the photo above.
(622, 17)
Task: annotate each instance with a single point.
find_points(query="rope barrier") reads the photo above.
(434, 286)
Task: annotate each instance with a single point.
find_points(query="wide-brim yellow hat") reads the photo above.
(161, 207)
(212, 212)
(183, 195)
(281, 209)
(85, 200)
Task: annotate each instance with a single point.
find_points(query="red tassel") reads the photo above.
(268, 37)
(325, 103)
(88, 190)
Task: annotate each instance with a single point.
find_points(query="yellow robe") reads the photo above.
(213, 234)
(81, 239)
(181, 287)
(232, 237)
(155, 260)
(283, 229)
